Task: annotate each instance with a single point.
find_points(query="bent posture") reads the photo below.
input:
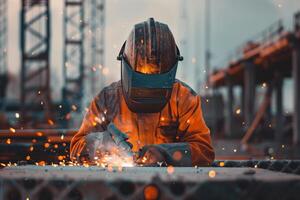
(161, 117)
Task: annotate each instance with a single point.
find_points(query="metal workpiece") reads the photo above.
(69, 182)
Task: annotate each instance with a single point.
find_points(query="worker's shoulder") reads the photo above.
(182, 86)
(115, 86)
(111, 89)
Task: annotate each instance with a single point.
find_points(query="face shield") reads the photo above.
(146, 93)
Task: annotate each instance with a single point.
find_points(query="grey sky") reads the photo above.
(233, 22)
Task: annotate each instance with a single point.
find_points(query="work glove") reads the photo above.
(110, 144)
(99, 144)
(175, 154)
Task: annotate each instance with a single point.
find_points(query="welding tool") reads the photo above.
(121, 139)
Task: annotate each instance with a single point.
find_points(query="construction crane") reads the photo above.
(3, 52)
(35, 69)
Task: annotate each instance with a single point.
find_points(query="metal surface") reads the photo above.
(35, 47)
(67, 182)
(73, 64)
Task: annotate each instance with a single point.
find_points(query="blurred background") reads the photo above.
(241, 56)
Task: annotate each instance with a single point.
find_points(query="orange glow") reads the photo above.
(177, 155)
(8, 141)
(60, 157)
(42, 163)
(39, 134)
(56, 146)
(212, 173)
(148, 69)
(222, 164)
(27, 157)
(31, 148)
(170, 170)
(50, 122)
(46, 145)
(12, 130)
(151, 192)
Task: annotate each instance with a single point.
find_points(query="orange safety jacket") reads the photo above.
(180, 121)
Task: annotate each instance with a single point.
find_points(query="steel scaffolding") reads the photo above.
(73, 66)
(3, 51)
(97, 44)
(35, 69)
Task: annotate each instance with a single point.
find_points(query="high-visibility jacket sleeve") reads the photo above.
(92, 122)
(193, 128)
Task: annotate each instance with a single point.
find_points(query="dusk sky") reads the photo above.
(232, 22)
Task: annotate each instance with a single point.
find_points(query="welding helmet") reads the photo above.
(149, 59)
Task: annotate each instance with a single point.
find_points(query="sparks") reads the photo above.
(170, 170)
(17, 115)
(12, 130)
(212, 173)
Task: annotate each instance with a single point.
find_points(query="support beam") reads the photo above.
(249, 92)
(279, 108)
(296, 77)
(230, 103)
(35, 69)
(3, 53)
(97, 45)
(73, 66)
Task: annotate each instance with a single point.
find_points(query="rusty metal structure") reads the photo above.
(3, 52)
(265, 61)
(35, 69)
(73, 61)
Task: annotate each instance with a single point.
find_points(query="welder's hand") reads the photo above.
(98, 144)
(151, 155)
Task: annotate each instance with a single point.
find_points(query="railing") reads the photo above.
(266, 37)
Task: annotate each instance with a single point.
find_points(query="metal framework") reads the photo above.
(3, 50)
(97, 44)
(35, 47)
(73, 182)
(73, 66)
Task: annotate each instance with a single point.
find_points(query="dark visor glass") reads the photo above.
(151, 81)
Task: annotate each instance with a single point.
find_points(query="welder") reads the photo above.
(160, 116)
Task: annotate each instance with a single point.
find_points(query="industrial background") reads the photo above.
(242, 57)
